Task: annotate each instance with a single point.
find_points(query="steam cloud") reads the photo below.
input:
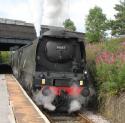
(54, 12)
(76, 102)
(46, 101)
(36, 10)
(48, 12)
(74, 106)
(79, 100)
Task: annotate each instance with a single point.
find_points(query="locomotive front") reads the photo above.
(60, 80)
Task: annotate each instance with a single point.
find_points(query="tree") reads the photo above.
(95, 25)
(69, 25)
(118, 26)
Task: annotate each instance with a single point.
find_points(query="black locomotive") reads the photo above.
(53, 68)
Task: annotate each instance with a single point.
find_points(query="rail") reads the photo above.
(63, 118)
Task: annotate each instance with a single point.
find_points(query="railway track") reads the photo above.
(73, 118)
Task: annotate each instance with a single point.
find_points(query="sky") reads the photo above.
(76, 10)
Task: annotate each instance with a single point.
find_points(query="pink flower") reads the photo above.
(106, 57)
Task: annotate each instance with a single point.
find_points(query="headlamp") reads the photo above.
(43, 82)
(81, 82)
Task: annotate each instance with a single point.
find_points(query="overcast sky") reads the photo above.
(77, 10)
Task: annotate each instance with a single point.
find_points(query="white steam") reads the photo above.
(76, 103)
(45, 101)
(36, 10)
(74, 106)
(48, 12)
(79, 100)
(55, 12)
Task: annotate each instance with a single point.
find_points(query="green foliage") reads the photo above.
(111, 77)
(106, 62)
(118, 25)
(96, 25)
(69, 25)
(4, 57)
(113, 45)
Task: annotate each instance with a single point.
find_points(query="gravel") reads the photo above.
(96, 118)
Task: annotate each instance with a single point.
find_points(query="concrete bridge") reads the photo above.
(14, 33)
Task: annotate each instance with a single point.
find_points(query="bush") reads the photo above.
(106, 63)
(4, 57)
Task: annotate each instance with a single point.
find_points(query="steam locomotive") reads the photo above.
(53, 69)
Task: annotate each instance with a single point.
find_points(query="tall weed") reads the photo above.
(106, 63)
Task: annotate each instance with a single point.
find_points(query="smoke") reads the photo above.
(36, 10)
(76, 101)
(55, 12)
(45, 101)
(74, 106)
(48, 12)
(79, 100)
